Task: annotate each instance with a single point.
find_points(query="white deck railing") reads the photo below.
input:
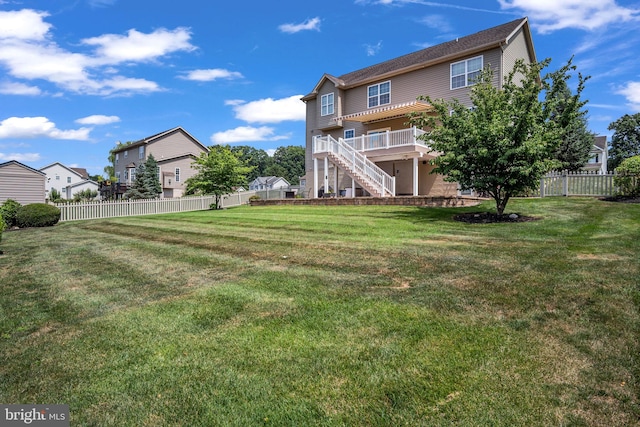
(386, 140)
(357, 162)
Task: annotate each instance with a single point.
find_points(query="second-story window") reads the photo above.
(125, 154)
(141, 152)
(465, 73)
(326, 102)
(379, 94)
(117, 157)
(177, 174)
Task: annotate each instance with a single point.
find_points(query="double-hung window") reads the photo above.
(117, 157)
(141, 152)
(379, 94)
(465, 73)
(177, 174)
(326, 104)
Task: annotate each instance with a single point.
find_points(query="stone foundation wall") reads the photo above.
(372, 201)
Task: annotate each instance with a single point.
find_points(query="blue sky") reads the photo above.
(76, 76)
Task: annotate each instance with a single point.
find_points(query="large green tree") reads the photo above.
(505, 143)
(218, 172)
(625, 141)
(576, 141)
(255, 158)
(288, 162)
(146, 185)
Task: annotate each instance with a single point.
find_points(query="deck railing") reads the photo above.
(386, 140)
(357, 162)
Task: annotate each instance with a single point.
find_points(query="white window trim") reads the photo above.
(125, 154)
(349, 130)
(141, 152)
(466, 72)
(177, 175)
(378, 95)
(332, 104)
(117, 157)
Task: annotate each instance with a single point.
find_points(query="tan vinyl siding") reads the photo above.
(186, 172)
(517, 49)
(326, 121)
(169, 146)
(21, 184)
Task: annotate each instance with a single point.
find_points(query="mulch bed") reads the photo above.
(490, 217)
(622, 199)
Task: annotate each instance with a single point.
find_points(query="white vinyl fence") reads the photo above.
(577, 184)
(111, 209)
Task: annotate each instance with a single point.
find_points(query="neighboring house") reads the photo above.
(356, 125)
(268, 183)
(598, 156)
(66, 180)
(174, 150)
(21, 183)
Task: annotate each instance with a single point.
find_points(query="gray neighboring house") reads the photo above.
(174, 150)
(358, 138)
(268, 183)
(21, 183)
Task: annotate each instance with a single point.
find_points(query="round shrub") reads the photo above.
(627, 177)
(2, 227)
(37, 215)
(8, 212)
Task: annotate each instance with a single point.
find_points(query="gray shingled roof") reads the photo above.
(460, 46)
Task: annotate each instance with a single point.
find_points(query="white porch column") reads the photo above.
(415, 176)
(315, 178)
(326, 174)
(335, 180)
(353, 187)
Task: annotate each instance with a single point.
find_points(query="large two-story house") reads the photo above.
(67, 181)
(174, 150)
(357, 132)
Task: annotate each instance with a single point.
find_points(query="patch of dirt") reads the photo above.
(490, 217)
(622, 199)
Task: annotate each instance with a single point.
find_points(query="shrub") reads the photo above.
(8, 212)
(627, 179)
(37, 215)
(2, 227)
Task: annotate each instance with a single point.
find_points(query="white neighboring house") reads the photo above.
(598, 156)
(268, 183)
(66, 180)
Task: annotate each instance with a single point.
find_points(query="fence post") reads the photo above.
(565, 183)
(542, 186)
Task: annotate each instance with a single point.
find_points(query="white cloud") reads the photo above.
(270, 110)
(98, 119)
(25, 24)
(552, 15)
(139, 47)
(12, 88)
(39, 127)
(309, 24)
(437, 22)
(211, 74)
(29, 53)
(20, 157)
(373, 49)
(631, 91)
(246, 134)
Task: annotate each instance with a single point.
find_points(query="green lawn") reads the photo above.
(328, 316)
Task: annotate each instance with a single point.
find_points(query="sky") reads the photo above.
(78, 76)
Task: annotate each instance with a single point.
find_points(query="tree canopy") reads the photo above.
(218, 172)
(625, 141)
(505, 143)
(576, 141)
(146, 184)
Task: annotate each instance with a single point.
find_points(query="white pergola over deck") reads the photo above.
(387, 112)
